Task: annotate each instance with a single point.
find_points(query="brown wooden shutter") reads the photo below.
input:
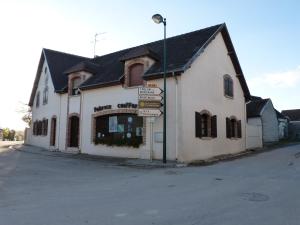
(214, 126)
(46, 127)
(198, 124)
(136, 75)
(228, 128)
(239, 129)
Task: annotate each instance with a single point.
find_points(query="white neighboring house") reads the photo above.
(92, 103)
(283, 126)
(293, 116)
(262, 123)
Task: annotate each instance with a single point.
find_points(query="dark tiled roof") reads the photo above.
(83, 66)
(254, 107)
(255, 97)
(279, 115)
(58, 63)
(182, 50)
(139, 52)
(292, 114)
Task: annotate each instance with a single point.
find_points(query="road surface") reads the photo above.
(37, 189)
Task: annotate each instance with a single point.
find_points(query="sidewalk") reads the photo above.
(137, 163)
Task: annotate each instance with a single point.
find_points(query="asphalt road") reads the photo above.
(37, 189)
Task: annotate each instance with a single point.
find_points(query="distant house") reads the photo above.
(294, 122)
(262, 123)
(1, 134)
(283, 124)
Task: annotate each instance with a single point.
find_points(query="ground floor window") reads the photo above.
(205, 124)
(233, 128)
(119, 130)
(40, 127)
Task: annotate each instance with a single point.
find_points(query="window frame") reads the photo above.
(129, 77)
(37, 100)
(228, 86)
(205, 125)
(113, 138)
(233, 128)
(75, 90)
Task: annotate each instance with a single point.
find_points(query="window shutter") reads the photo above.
(228, 128)
(214, 126)
(230, 88)
(198, 124)
(239, 129)
(46, 127)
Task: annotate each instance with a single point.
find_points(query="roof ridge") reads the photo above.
(65, 53)
(145, 44)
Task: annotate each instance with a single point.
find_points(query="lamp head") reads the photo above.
(157, 18)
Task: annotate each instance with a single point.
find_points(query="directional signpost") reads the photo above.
(149, 101)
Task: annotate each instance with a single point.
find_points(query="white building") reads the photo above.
(90, 105)
(262, 123)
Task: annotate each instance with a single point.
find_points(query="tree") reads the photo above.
(5, 133)
(25, 110)
(11, 135)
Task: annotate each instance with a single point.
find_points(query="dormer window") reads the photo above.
(75, 84)
(136, 72)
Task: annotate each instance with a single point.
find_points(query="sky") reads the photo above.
(265, 34)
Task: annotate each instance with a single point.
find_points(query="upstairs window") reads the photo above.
(228, 86)
(37, 103)
(205, 125)
(136, 72)
(233, 128)
(45, 95)
(75, 84)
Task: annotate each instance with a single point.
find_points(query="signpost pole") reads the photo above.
(165, 98)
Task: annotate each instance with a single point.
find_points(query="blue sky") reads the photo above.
(265, 34)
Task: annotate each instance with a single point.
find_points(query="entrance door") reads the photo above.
(74, 131)
(53, 132)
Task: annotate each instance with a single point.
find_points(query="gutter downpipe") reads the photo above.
(58, 122)
(176, 115)
(80, 122)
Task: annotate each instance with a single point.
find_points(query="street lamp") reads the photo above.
(157, 18)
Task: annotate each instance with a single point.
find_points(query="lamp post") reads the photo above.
(157, 18)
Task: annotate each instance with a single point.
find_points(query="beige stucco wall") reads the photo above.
(55, 107)
(113, 96)
(202, 89)
(254, 133)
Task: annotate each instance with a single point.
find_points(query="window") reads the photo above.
(119, 129)
(45, 95)
(233, 128)
(40, 127)
(136, 72)
(205, 125)
(45, 70)
(228, 86)
(75, 84)
(37, 103)
(53, 131)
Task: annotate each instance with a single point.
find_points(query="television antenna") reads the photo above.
(95, 41)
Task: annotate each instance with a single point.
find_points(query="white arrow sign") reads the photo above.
(149, 91)
(149, 112)
(150, 97)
